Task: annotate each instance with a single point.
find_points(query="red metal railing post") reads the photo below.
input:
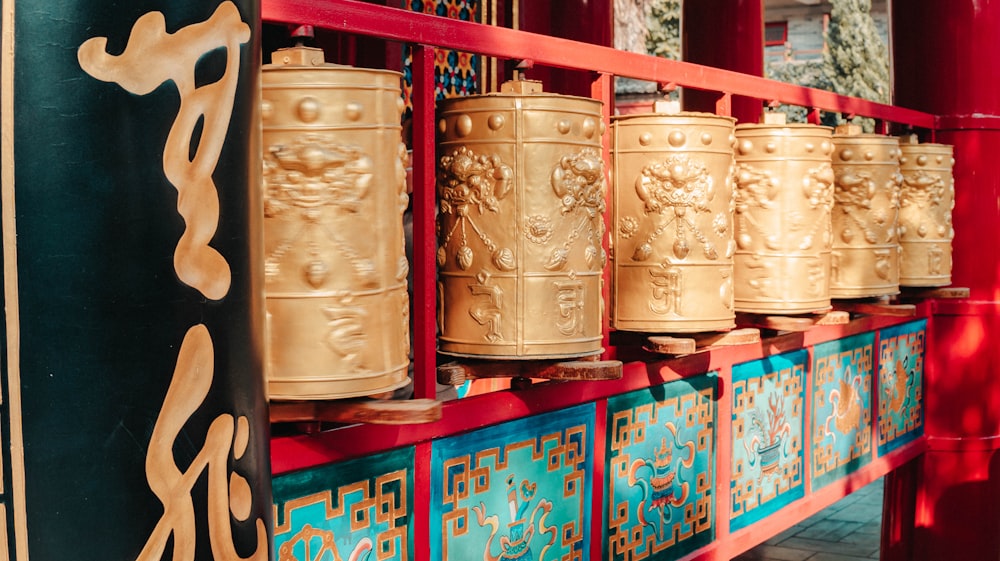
(424, 241)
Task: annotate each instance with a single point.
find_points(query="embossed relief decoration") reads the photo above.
(578, 182)
(900, 384)
(516, 491)
(674, 193)
(660, 470)
(921, 194)
(315, 182)
(841, 422)
(767, 432)
(471, 187)
(758, 195)
(350, 511)
(865, 218)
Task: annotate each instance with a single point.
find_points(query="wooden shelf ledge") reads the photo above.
(700, 342)
(801, 322)
(456, 373)
(362, 410)
(881, 306)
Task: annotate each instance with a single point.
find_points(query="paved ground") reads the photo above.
(847, 530)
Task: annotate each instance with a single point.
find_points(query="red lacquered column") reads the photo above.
(589, 21)
(947, 62)
(725, 34)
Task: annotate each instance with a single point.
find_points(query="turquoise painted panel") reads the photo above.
(767, 436)
(516, 491)
(841, 407)
(900, 384)
(358, 510)
(660, 470)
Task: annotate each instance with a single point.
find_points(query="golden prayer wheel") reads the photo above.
(784, 195)
(334, 196)
(521, 189)
(865, 258)
(672, 223)
(927, 197)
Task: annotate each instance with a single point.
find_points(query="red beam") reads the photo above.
(352, 16)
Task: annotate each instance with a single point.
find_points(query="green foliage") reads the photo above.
(664, 22)
(856, 58)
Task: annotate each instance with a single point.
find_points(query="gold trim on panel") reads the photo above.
(10, 277)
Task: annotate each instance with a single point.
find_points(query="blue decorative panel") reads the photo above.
(355, 510)
(660, 470)
(900, 384)
(767, 460)
(516, 491)
(841, 407)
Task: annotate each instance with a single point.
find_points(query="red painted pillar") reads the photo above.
(725, 34)
(589, 21)
(947, 62)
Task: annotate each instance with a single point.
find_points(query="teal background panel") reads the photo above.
(767, 436)
(900, 385)
(841, 423)
(516, 491)
(660, 470)
(358, 509)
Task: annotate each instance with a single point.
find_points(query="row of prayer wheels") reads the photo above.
(706, 219)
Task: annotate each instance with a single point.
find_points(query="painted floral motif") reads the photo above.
(662, 492)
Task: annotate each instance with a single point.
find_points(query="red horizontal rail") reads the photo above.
(396, 24)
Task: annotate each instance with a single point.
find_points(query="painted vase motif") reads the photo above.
(927, 198)
(521, 194)
(337, 305)
(784, 198)
(865, 258)
(672, 223)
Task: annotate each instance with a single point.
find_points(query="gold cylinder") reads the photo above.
(672, 223)
(334, 196)
(865, 257)
(784, 194)
(521, 189)
(927, 197)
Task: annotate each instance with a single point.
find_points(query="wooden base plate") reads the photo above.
(802, 322)
(362, 410)
(587, 369)
(699, 342)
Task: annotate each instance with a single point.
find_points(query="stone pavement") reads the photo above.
(848, 530)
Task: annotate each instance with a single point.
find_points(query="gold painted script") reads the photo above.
(152, 57)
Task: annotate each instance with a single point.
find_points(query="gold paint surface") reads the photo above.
(672, 223)
(927, 197)
(784, 195)
(521, 189)
(334, 196)
(865, 251)
(11, 299)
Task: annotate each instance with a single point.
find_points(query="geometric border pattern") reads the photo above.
(900, 385)
(517, 490)
(660, 470)
(841, 407)
(767, 436)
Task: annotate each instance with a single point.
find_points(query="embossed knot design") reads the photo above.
(669, 190)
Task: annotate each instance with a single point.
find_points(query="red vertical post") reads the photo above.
(947, 62)
(424, 240)
(725, 34)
